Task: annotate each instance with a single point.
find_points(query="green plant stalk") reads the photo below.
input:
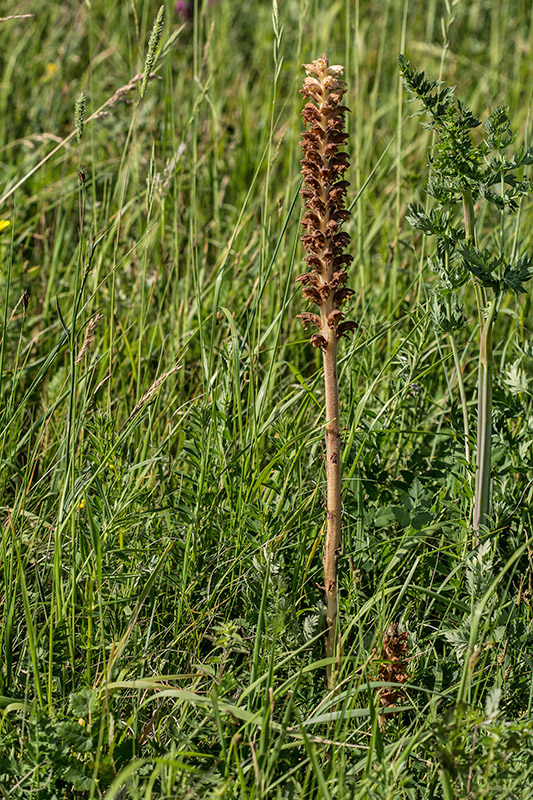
(469, 217)
(484, 425)
(462, 394)
(484, 400)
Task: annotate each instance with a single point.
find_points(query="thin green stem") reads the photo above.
(484, 429)
(462, 393)
(469, 216)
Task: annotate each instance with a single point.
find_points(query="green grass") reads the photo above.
(161, 602)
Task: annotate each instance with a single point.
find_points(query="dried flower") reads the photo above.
(324, 191)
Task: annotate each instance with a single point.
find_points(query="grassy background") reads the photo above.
(161, 542)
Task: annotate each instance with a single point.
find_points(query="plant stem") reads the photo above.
(484, 397)
(469, 218)
(324, 191)
(462, 393)
(333, 477)
(484, 425)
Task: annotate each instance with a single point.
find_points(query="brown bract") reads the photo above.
(324, 192)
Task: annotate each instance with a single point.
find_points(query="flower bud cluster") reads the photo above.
(324, 192)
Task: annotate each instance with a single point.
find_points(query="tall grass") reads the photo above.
(162, 616)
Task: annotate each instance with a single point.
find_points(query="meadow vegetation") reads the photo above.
(162, 475)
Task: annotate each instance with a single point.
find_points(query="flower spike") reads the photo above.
(323, 168)
(324, 192)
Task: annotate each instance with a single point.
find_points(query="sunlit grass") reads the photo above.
(162, 601)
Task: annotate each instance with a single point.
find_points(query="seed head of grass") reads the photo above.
(146, 398)
(89, 336)
(79, 115)
(153, 44)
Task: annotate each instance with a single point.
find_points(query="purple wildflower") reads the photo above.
(183, 9)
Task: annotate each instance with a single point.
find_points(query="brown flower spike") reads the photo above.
(392, 667)
(323, 168)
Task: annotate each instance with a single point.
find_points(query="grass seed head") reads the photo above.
(79, 115)
(89, 336)
(146, 398)
(153, 44)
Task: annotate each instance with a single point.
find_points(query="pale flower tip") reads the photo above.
(312, 69)
(335, 69)
(318, 67)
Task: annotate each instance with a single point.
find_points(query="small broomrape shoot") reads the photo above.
(392, 659)
(323, 168)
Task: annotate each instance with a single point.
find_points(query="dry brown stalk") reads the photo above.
(24, 301)
(324, 192)
(16, 16)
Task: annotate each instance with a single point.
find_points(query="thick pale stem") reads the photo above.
(333, 475)
(469, 218)
(484, 425)
(470, 230)
(462, 393)
(484, 396)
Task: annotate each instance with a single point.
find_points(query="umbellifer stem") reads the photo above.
(462, 394)
(484, 389)
(484, 425)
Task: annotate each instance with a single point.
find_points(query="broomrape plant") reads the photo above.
(467, 174)
(323, 168)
